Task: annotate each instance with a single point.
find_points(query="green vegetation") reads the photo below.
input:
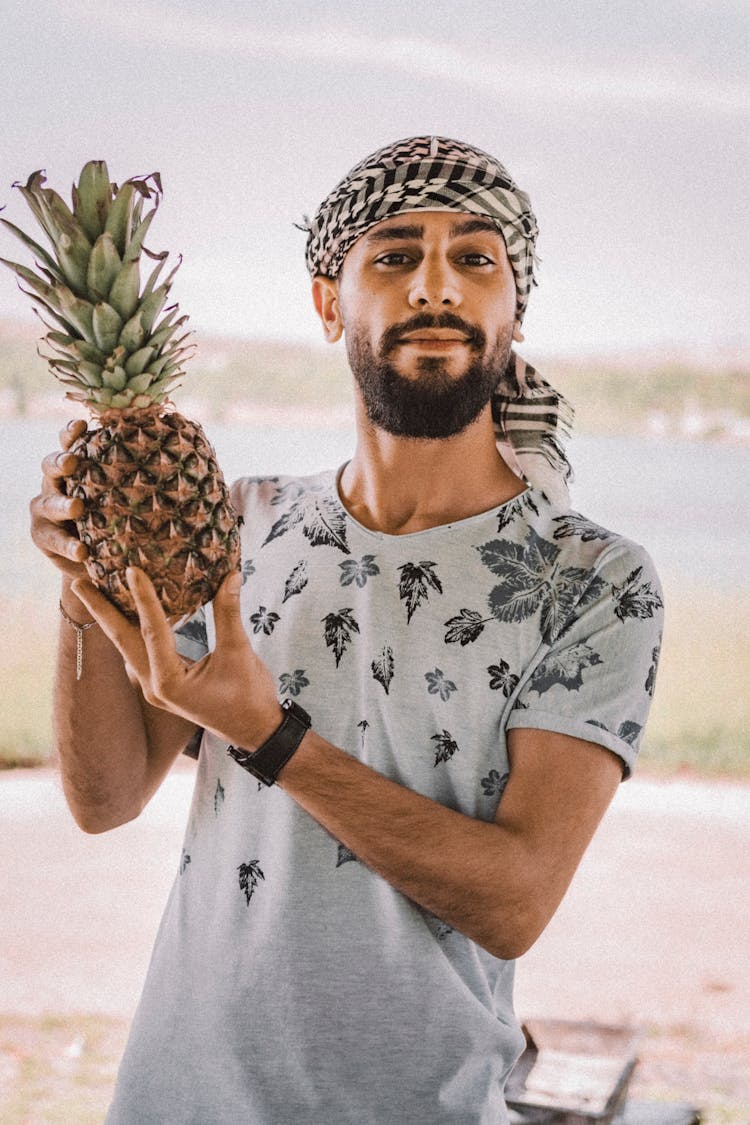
(681, 395)
(700, 721)
(675, 395)
(221, 373)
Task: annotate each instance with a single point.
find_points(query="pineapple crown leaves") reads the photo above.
(104, 329)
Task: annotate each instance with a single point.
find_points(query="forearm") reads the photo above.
(114, 749)
(472, 874)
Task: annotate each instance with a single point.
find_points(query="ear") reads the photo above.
(325, 294)
(518, 335)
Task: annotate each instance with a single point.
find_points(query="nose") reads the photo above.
(434, 284)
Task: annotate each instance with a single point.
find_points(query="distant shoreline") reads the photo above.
(340, 416)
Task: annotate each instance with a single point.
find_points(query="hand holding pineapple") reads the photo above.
(53, 512)
(230, 691)
(151, 492)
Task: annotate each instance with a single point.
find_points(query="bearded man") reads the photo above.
(466, 667)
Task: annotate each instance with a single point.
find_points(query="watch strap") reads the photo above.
(268, 760)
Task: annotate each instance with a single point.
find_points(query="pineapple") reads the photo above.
(152, 492)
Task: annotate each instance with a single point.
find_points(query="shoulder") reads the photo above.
(576, 540)
(274, 494)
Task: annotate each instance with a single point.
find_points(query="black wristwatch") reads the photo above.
(267, 761)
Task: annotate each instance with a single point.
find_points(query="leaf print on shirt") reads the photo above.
(195, 629)
(296, 581)
(363, 725)
(446, 747)
(576, 524)
(382, 667)
(250, 875)
(494, 783)
(338, 629)
(439, 684)
(323, 521)
(502, 679)
(292, 683)
(345, 855)
(184, 861)
(651, 677)
(509, 512)
(414, 584)
(635, 600)
(264, 620)
(218, 796)
(465, 628)
(532, 579)
(565, 668)
(359, 572)
(247, 569)
(292, 490)
(627, 731)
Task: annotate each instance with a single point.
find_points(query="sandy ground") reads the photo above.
(653, 932)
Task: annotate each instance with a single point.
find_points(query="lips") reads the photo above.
(434, 336)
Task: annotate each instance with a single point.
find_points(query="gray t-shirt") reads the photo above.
(288, 982)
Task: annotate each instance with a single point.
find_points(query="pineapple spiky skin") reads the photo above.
(152, 491)
(153, 497)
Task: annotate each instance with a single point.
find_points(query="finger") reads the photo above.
(56, 466)
(229, 630)
(72, 432)
(53, 538)
(125, 635)
(57, 507)
(154, 628)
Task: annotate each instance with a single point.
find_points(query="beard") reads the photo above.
(433, 404)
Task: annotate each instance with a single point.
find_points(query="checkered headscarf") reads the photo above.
(438, 174)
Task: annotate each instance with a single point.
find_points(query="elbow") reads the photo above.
(94, 822)
(96, 825)
(510, 934)
(509, 947)
(95, 816)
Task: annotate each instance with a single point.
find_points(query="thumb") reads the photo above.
(227, 619)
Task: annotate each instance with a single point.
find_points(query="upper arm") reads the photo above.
(558, 790)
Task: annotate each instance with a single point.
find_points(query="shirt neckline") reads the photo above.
(386, 536)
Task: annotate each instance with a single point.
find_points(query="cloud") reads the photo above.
(558, 82)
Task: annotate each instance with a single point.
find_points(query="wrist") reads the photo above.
(271, 756)
(72, 605)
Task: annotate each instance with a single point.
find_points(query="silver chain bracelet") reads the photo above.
(80, 630)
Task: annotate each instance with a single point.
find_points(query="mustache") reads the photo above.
(476, 338)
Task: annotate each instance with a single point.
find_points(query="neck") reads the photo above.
(401, 485)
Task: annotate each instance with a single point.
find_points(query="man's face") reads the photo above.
(426, 301)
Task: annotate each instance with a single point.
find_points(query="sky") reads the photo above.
(627, 123)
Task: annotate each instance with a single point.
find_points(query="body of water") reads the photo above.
(687, 502)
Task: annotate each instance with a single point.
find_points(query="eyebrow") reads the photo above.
(416, 230)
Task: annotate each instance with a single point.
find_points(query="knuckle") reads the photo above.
(72, 432)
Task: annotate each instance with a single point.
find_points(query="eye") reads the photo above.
(393, 258)
(476, 259)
